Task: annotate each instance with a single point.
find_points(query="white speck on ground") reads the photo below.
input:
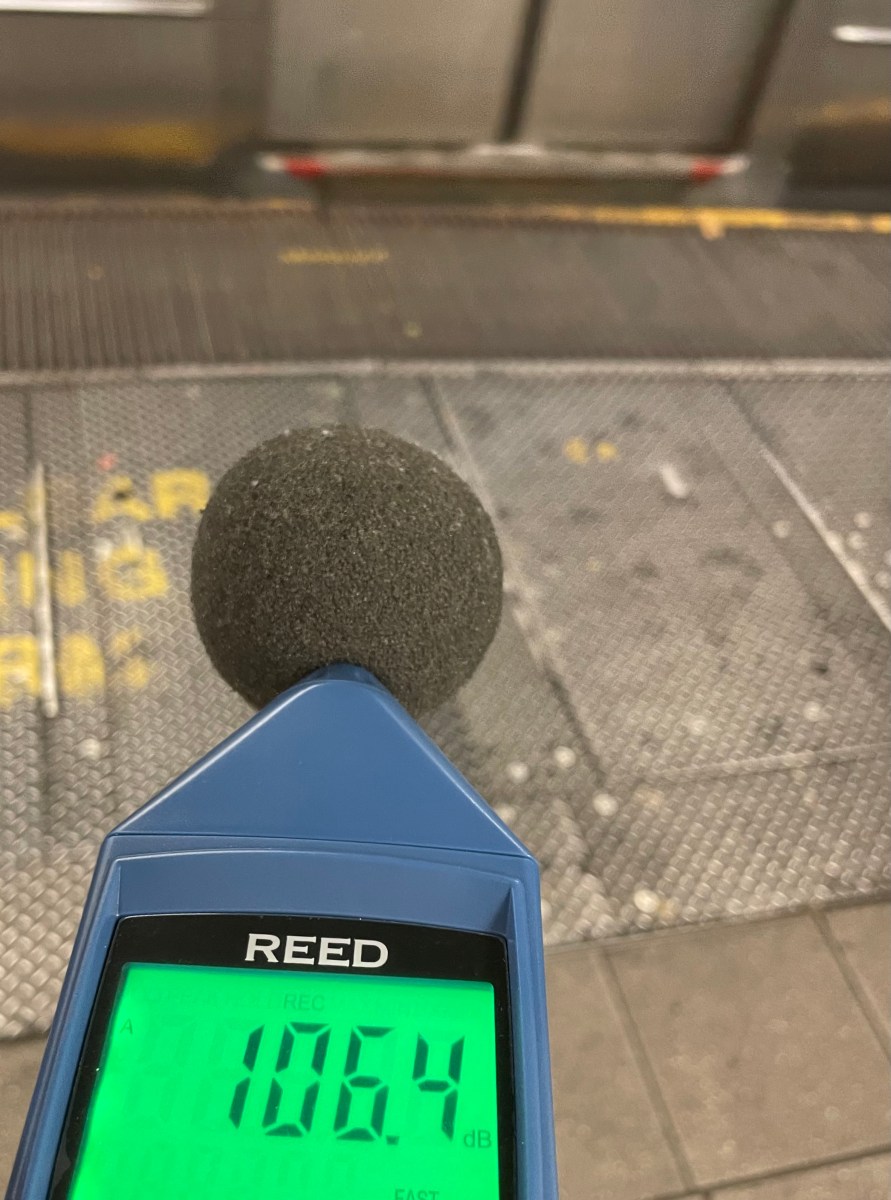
(605, 805)
(90, 748)
(673, 482)
(646, 901)
(564, 757)
(517, 772)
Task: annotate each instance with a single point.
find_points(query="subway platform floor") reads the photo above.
(682, 437)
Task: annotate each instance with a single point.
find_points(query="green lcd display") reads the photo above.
(220, 1083)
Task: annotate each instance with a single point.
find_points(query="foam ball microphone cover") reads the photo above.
(345, 545)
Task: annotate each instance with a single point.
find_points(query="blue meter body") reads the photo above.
(312, 966)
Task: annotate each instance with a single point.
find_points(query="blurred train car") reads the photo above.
(783, 96)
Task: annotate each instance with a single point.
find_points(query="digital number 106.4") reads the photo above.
(355, 1082)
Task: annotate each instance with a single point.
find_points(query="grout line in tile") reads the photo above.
(713, 1190)
(616, 943)
(849, 975)
(647, 1073)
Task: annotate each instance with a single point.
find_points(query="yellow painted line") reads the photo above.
(870, 110)
(711, 221)
(13, 523)
(193, 142)
(328, 257)
(281, 204)
(577, 450)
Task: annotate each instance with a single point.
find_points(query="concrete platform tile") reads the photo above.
(763, 1055)
(19, 1062)
(864, 935)
(609, 1139)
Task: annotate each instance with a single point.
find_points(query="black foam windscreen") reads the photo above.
(345, 544)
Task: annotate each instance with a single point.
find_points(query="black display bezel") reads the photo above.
(220, 940)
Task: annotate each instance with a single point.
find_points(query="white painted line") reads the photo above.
(708, 368)
(832, 541)
(43, 605)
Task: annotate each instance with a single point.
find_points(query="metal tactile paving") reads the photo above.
(683, 636)
(834, 439)
(677, 723)
(25, 923)
(20, 734)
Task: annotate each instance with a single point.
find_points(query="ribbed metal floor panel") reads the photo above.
(130, 284)
(684, 713)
